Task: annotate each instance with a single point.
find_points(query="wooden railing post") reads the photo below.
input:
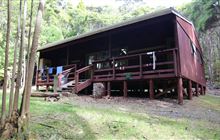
(141, 70)
(48, 80)
(180, 90)
(76, 81)
(174, 61)
(113, 68)
(92, 72)
(36, 80)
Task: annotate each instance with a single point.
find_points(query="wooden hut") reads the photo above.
(159, 51)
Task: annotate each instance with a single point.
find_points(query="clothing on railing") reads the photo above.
(63, 77)
(154, 61)
(59, 69)
(43, 74)
(50, 70)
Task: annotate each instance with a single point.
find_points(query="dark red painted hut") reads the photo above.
(156, 54)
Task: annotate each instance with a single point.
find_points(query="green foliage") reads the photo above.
(205, 15)
(73, 20)
(50, 34)
(201, 12)
(62, 19)
(217, 71)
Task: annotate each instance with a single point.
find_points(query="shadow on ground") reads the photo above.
(60, 126)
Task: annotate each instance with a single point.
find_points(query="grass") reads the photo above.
(65, 121)
(76, 122)
(210, 102)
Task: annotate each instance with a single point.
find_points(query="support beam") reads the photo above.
(141, 69)
(106, 88)
(125, 90)
(197, 89)
(37, 87)
(180, 90)
(47, 88)
(109, 89)
(202, 90)
(151, 89)
(189, 90)
(109, 45)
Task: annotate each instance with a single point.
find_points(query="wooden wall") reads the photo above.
(190, 63)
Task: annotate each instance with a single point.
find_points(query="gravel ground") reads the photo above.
(166, 107)
(215, 92)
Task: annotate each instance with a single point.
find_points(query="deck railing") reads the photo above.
(137, 66)
(43, 78)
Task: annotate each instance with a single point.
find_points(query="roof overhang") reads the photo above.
(115, 26)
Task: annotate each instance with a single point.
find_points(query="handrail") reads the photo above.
(113, 71)
(65, 66)
(141, 54)
(84, 69)
(132, 55)
(79, 86)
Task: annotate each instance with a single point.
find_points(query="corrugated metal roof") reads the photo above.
(114, 26)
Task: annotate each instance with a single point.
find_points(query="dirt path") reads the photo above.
(167, 107)
(215, 92)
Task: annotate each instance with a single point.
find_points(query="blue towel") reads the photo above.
(50, 70)
(59, 69)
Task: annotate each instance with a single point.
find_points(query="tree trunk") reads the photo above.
(218, 43)
(21, 52)
(26, 97)
(3, 112)
(210, 57)
(29, 37)
(15, 61)
(28, 47)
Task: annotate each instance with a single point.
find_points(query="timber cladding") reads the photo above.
(191, 61)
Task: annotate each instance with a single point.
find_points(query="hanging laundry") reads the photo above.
(59, 69)
(60, 76)
(154, 61)
(50, 70)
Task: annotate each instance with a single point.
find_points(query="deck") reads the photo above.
(139, 66)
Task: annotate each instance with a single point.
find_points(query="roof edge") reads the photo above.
(114, 26)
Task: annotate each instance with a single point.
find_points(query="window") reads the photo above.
(193, 48)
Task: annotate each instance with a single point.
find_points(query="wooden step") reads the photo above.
(71, 78)
(67, 91)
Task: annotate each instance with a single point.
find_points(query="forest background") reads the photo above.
(63, 19)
